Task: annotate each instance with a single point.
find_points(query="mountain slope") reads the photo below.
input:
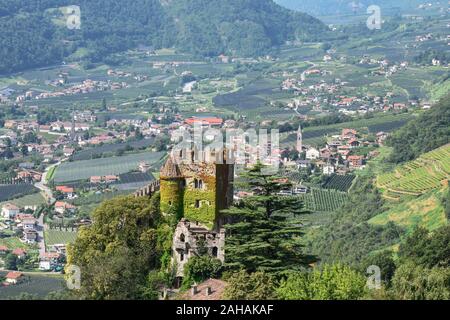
(202, 27)
(427, 211)
(430, 171)
(429, 131)
(331, 7)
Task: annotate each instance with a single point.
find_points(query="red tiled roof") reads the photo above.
(64, 189)
(217, 287)
(19, 252)
(14, 275)
(210, 121)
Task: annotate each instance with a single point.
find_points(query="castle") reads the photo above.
(195, 186)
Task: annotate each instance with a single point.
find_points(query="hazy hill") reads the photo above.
(34, 32)
(332, 7)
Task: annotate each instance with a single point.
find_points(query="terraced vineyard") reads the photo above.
(321, 200)
(340, 183)
(417, 177)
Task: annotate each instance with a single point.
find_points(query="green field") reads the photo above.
(417, 177)
(38, 285)
(12, 243)
(59, 237)
(34, 199)
(82, 170)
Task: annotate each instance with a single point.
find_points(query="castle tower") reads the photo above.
(299, 139)
(197, 185)
(171, 188)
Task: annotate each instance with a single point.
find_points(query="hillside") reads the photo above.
(427, 211)
(428, 172)
(429, 131)
(34, 34)
(331, 7)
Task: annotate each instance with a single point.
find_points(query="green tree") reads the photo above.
(254, 286)
(266, 236)
(427, 249)
(333, 282)
(385, 261)
(199, 269)
(414, 282)
(124, 243)
(10, 262)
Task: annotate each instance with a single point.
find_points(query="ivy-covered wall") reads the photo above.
(172, 196)
(179, 195)
(206, 214)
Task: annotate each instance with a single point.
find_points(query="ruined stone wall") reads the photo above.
(186, 239)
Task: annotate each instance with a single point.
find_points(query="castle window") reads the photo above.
(198, 184)
(197, 204)
(170, 203)
(215, 251)
(182, 238)
(181, 256)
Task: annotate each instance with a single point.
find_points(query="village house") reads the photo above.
(348, 134)
(29, 224)
(4, 249)
(68, 192)
(49, 261)
(143, 167)
(211, 289)
(312, 154)
(9, 211)
(14, 277)
(355, 161)
(68, 151)
(328, 169)
(30, 236)
(61, 207)
(205, 122)
(19, 253)
(104, 179)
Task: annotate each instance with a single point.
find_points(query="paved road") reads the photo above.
(48, 195)
(47, 192)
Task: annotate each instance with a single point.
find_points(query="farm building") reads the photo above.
(9, 211)
(14, 277)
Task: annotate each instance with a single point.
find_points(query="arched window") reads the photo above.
(198, 184)
(215, 251)
(182, 238)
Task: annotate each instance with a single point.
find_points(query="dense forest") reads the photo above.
(34, 33)
(429, 131)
